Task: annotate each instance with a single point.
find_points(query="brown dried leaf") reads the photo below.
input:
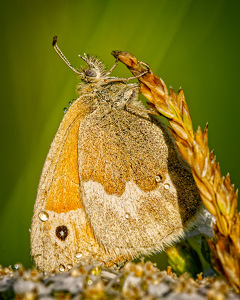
(204, 191)
(164, 110)
(199, 159)
(199, 138)
(127, 58)
(217, 176)
(187, 120)
(209, 205)
(233, 207)
(180, 100)
(179, 130)
(227, 182)
(178, 139)
(172, 95)
(147, 93)
(212, 156)
(217, 193)
(223, 205)
(185, 152)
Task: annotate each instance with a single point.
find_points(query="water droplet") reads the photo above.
(17, 266)
(69, 267)
(158, 178)
(65, 109)
(71, 102)
(89, 282)
(167, 186)
(127, 216)
(43, 216)
(61, 268)
(78, 255)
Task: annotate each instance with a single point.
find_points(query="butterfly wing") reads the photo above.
(112, 187)
(138, 193)
(60, 232)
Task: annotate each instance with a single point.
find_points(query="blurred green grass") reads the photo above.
(188, 43)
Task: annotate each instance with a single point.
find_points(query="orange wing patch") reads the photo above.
(64, 192)
(63, 196)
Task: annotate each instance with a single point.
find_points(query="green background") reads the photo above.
(193, 44)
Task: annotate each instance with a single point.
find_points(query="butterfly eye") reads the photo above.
(90, 73)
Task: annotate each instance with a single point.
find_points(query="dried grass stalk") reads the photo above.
(217, 192)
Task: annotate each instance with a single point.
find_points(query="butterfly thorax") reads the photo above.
(114, 94)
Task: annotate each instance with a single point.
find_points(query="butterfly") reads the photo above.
(113, 186)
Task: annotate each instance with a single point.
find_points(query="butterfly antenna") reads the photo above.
(62, 56)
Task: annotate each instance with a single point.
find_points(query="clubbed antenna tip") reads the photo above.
(54, 40)
(59, 52)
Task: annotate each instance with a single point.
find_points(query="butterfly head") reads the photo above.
(95, 70)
